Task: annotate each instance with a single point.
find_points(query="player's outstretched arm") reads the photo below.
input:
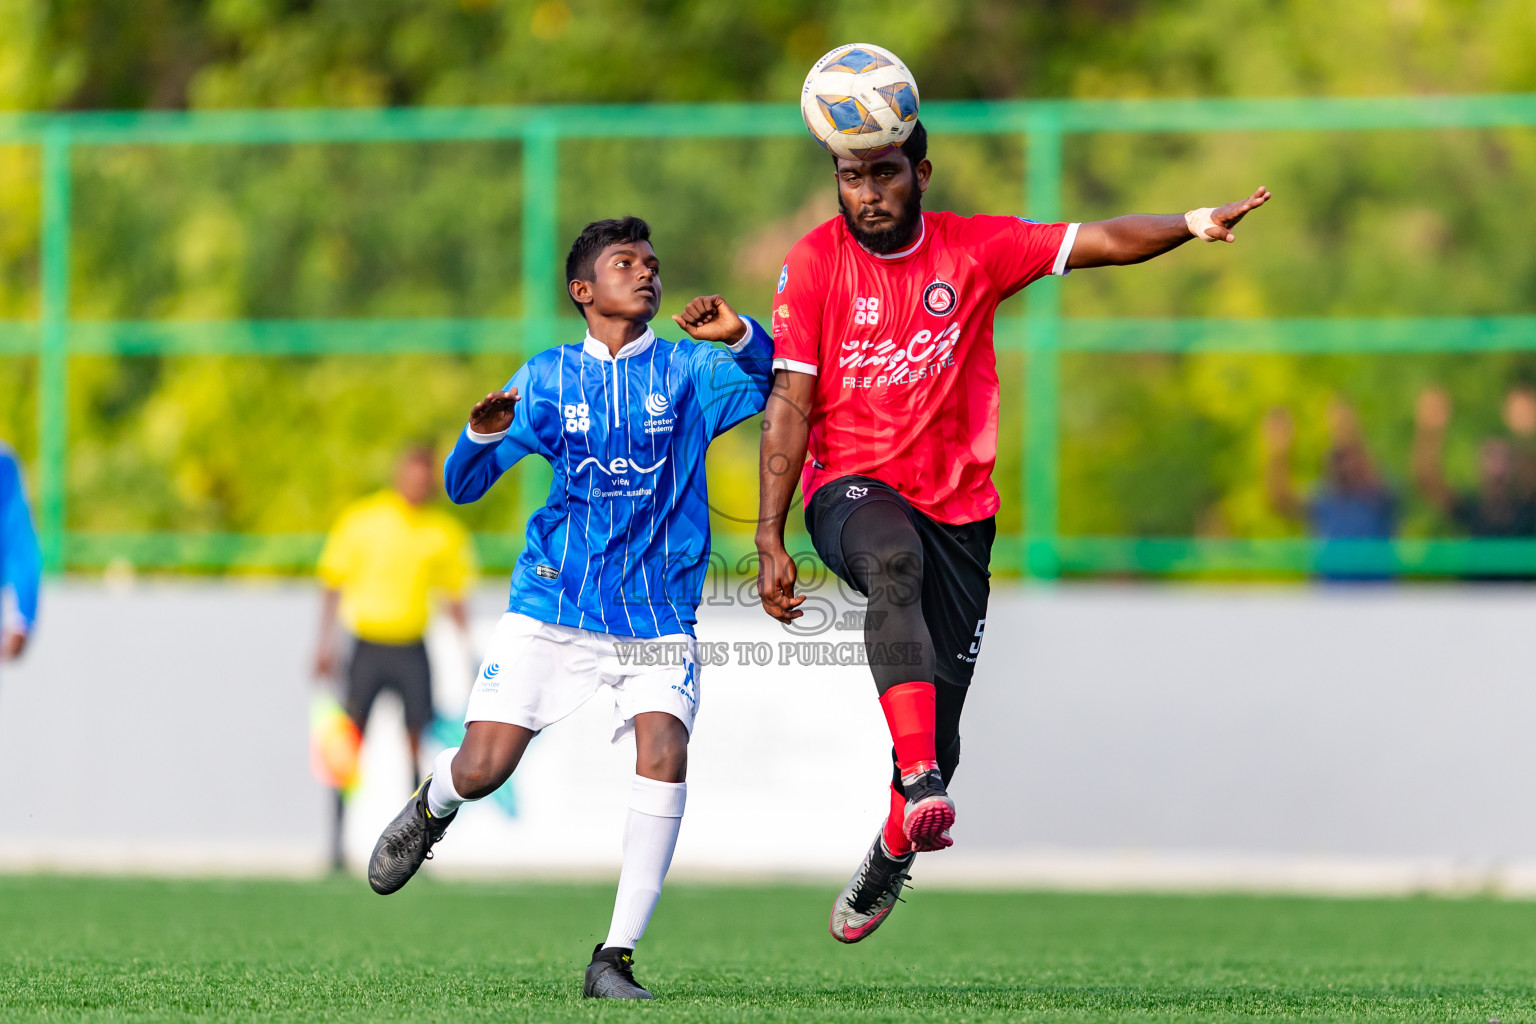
(472, 467)
(786, 426)
(1137, 237)
(711, 318)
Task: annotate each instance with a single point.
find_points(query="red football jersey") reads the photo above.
(901, 346)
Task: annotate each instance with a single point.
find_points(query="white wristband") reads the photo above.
(1198, 221)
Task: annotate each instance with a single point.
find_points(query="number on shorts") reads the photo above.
(980, 627)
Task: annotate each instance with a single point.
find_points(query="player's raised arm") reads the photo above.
(1137, 237)
(786, 427)
(493, 413)
(711, 318)
(734, 386)
(481, 454)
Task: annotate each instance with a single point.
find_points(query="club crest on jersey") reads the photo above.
(783, 277)
(939, 298)
(657, 407)
(577, 418)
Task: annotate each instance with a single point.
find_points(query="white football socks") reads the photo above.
(650, 836)
(442, 798)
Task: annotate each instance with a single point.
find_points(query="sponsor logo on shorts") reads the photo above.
(856, 492)
(547, 572)
(488, 683)
(939, 298)
(687, 687)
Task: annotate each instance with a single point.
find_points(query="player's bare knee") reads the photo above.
(661, 748)
(668, 764)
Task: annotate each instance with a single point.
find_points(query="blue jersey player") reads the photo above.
(20, 561)
(606, 592)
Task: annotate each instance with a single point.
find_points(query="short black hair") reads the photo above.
(581, 261)
(915, 148)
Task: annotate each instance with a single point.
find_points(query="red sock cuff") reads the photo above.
(909, 712)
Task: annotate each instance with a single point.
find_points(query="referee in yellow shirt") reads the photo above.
(387, 559)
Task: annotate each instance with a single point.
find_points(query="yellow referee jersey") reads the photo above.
(388, 559)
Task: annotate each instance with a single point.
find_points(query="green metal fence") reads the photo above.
(1042, 334)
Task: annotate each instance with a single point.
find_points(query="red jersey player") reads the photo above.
(885, 375)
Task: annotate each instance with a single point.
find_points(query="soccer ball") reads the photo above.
(859, 101)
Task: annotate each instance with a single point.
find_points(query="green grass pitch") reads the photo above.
(137, 950)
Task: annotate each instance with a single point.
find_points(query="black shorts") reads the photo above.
(402, 668)
(956, 578)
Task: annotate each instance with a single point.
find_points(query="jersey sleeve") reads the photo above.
(20, 556)
(478, 460)
(797, 310)
(733, 384)
(1016, 251)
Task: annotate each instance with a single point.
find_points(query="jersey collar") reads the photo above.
(597, 350)
(922, 236)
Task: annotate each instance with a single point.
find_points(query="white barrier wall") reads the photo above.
(1357, 739)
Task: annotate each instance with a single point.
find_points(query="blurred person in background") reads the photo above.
(386, 560)
(1519, 413)
(1352, 503)
(1499, 506)
(21, 562)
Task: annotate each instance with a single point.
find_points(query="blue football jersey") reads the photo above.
(622, 542)
(20, 561)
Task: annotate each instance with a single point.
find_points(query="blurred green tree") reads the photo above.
(1390, 223)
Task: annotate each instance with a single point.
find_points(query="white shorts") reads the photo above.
(536, 673)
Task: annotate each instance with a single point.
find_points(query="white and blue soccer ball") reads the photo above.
(859, 101)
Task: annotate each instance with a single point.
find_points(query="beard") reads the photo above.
(893, 237)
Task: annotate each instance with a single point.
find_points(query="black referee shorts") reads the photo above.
(956, 575)
(402, 668)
